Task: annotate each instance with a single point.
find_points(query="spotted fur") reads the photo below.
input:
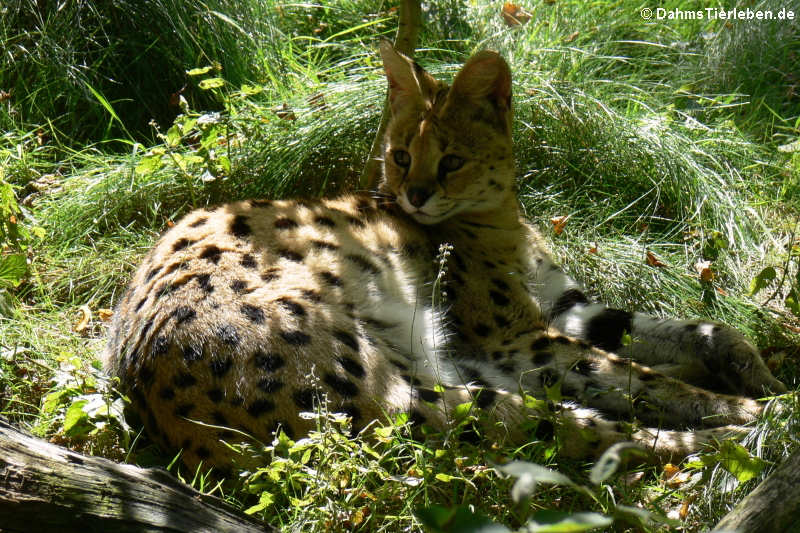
(245, 315)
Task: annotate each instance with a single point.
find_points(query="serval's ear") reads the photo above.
(409, 84)
(485, 75)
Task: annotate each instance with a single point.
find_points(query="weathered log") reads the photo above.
(47, 488)
(773, 506)
(405, 42)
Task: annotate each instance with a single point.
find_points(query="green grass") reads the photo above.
(660, 137)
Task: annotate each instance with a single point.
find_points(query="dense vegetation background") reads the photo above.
(660, 157)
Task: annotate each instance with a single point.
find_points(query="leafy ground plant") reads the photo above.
(660, 167)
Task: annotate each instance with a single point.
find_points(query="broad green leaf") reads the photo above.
(737, 460)
(173, 136)
(611, 459)
(560, 522)
(764, 278)
(529, 475)
(199, 71)
(211, 83)
(445, 477)
(149, 164)
(76, 421)
(792, 301)
(53, 400)
(645, 516)
(265, 500)
(438, 519)
(13, 269)
(462, 410)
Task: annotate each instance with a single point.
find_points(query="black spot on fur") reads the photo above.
(541, 358)
(485, 398)
(507, 368)
(295, 338)
(271, 275)
(183, 410)
(270, 385)
(253, 313)
(499, 298)
(150, 275)
(351, 366)
(293, 307)
(399, 365)
(567, 300)
(544, 431)
(304, 399)
(212, 253)
(411, 380)
(146, 375)
(140, 304)
(182, 243)
(192, 353)
(159, 347)
(323, 245)
(548, 377)
(248, 261)
(342, 386)
(268, 362)
(497, 355)
(541, 343)
(482, 330)
(363, 263)
(285, 223)
(500, 284)
(184, 380)
(352, 411)
(260, 203)
(585, 367)
(501, 321)
(228, 335)
(220, 367)
(260, 407)
(428, 395)
(606, 328)
(239, 227)
(459, 261)
(355, 222)
(331, 279)
(215, 395)
(312, 296)
(204, 281)
(347, 339)
(183, 314)
(562, 340)
(164, 290)
(290, 255)
(325, 221)
(239, 286)
(219, 418)
(199, 222)
(415, 418)
(167, 393)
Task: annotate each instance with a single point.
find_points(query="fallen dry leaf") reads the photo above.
(593, 249)
(284, 112)
(105, 314)
(83, 322)
(559, 223)
(571, 37)
(514, 15)
(703, 269)
(653, 261)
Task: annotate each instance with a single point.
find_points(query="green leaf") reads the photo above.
(438, 519)
(149, 164)
(199, 71)
(611, 459)
(560, 522)
(211, 83)
(737, 460)
(76, 421)
(792, 301)
(529, 475)
(173, 136)
(13, 269)
(53, 400)
(462, 410)
(764, 278)
(265, 500)
(646, 517)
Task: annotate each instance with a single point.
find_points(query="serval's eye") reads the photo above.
(451, 162)
(401, 158)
